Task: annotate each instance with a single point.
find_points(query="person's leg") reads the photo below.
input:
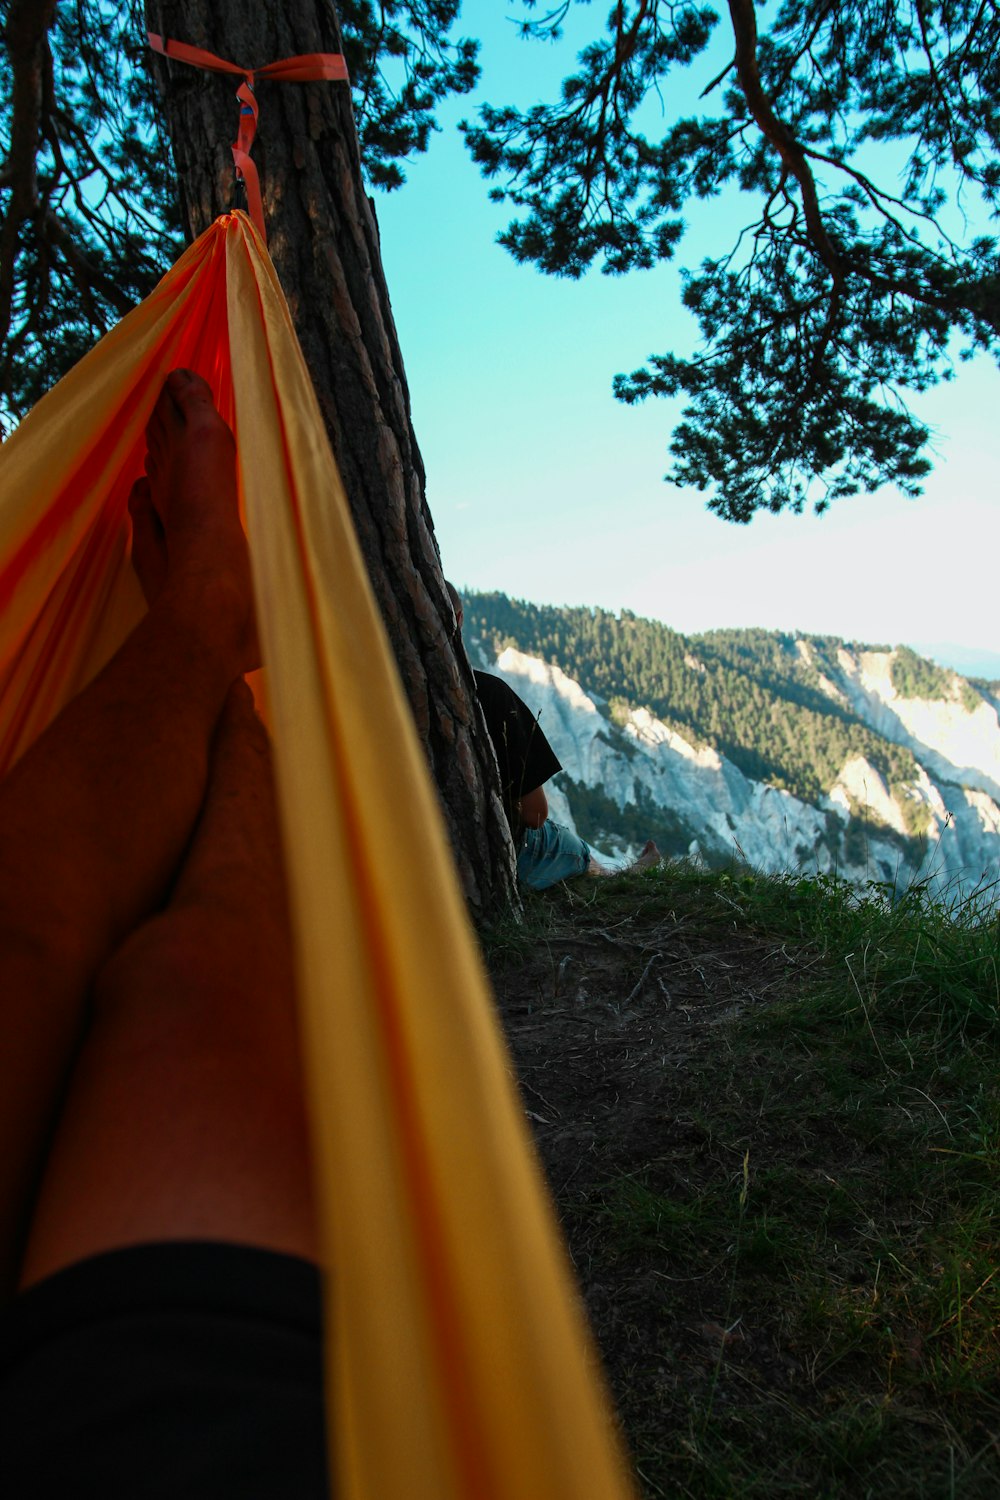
(185, 1115)
(549, 854)
(553, 853)
(96, 816)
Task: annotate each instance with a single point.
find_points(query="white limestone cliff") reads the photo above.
(862, 828)
(947, 737)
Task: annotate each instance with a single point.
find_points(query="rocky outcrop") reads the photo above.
(942, 826)
(956, 738)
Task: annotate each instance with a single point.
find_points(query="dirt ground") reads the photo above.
(616, 1028)
(753, 1193)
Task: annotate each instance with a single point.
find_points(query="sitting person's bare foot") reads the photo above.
(186, 531)
(649, 857)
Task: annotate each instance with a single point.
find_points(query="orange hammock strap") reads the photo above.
(306, 68)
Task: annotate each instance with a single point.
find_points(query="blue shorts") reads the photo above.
(550, 854)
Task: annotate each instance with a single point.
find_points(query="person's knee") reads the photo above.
(199, 982)
(175, 962)
(186, 989)
(551, 854)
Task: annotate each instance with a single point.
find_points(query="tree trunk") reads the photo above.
(323, 239)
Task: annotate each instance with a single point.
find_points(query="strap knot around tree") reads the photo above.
(309, 67)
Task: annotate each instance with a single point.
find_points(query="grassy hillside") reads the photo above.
(770, 1115)
(755, 695)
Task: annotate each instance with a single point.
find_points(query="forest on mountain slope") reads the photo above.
(754, 695)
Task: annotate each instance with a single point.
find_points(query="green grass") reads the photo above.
(836, 1226)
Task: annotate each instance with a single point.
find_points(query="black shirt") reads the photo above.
(524, 756)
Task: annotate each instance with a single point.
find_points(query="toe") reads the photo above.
(189, 392)
(165, 420)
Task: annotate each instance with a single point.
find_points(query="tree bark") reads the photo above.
(323, 239)
(26, 35)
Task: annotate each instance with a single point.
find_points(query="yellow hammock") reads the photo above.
(458, 1366)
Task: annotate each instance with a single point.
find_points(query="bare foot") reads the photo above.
(187, 536)
(649, 857)
(149, 543)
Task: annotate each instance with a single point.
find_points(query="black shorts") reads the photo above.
(165, 1372)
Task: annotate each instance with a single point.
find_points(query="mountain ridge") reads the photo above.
(790, 750)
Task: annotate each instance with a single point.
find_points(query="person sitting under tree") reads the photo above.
(156, 1207)
(547, 851)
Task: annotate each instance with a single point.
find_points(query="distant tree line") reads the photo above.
(914, 676)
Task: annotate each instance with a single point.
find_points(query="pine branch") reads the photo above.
(744, 19)
(88, 275)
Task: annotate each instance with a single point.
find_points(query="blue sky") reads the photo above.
(544, 486)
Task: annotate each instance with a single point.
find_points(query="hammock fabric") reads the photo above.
(458, 1364)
